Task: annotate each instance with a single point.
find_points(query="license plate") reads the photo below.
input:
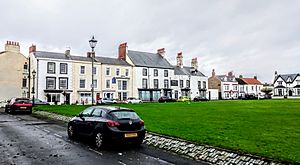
(127, 135)
(22, 107)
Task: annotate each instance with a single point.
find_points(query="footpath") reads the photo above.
(212, 155)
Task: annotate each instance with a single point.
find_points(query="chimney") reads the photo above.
(213, 73)
(275, 73)
(12, 46)
(161, 52)
(32, 48)
(241, 76)
(194, 63)
(68, 52)
(123, 51)
(179, 60)
(255, 77)
(230, 74)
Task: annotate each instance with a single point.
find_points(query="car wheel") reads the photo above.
(71, 133)
(98, 140)
(30, 112)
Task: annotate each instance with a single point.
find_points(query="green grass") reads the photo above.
(269, 128)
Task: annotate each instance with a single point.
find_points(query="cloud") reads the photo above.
(249, 37)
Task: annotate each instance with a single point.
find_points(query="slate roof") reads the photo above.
(240, 81)
(146, 59)
(103, 60)
(186, 71)
(286, 76)
(229, 79)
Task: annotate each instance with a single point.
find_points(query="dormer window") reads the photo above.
(280, 83)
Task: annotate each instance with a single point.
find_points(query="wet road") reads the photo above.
(25, 139)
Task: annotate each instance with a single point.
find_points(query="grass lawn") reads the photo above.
(269, 128)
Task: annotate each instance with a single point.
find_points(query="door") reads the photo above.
(67, 98)
(290, 93)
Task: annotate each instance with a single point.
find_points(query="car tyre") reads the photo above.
(71, 133)
(99, 140)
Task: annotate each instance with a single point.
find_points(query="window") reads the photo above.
(166, 83)
(181, 83)
(117, 72)
(166, 73)
(144, 83)
(199, 84)
(124, 95)
(124, 85)
(155, 72)
(126, 72)
(226, 87)
(107, 83)
(298, 91)
(51, 67)
(94, 70)
(155, 83)
(187, 83)
(119, 85)
(95, 84)
(25, 67)
(235, 87)
(82, 69)
(107, 71)
(63, 68)
(24, 83)
(241, 88)
(82, 83)
(279, 82)
(50, 82)
(97, 112)
(88, 111)
(252, 87)
(144, 72)
(204, 84)
(298, 82)
(63, 83)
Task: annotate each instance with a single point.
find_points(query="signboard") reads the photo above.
(113, 80)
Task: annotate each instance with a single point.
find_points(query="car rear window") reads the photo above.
(23, 101)
(125, 115)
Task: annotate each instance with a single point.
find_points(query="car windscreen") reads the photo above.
(23, 101)
(125, 115)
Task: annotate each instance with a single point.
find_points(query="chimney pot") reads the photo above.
(213, 73)
(161, 52)
(32, 48)
(123, 51)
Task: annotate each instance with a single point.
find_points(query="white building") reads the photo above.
(286, 85)
(54, 72)
(249, 86)
(189, 81)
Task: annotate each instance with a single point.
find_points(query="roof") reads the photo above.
(111, 108)
(103, 60)
(240, 81)
(252, 81)
(146, 59)
(285, 77)
(186, 71)
(228, 78)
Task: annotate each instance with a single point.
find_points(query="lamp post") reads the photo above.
(33, 84)
(93, 43)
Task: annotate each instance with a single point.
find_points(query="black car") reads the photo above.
(166, 99)
(199, 98)
(107, 123)
(18, 105)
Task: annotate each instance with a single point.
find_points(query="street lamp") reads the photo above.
(33, 84)
(93, 44)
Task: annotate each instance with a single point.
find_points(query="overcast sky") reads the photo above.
(249, 37)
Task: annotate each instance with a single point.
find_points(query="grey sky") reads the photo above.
(249, 37)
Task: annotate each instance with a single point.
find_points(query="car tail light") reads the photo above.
(141, 123)
(111, 123)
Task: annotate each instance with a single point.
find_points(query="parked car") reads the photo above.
(166, 99)
(18, 105)
(133, 100)
(3, 103)
(40, 102)
(199, 98)
(106, 101)
(107, 123)
(184, 99)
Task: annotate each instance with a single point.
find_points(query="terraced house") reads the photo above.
(14, 72)
(286, 85)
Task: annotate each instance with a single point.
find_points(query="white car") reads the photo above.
(132, 100)
(106, 101)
